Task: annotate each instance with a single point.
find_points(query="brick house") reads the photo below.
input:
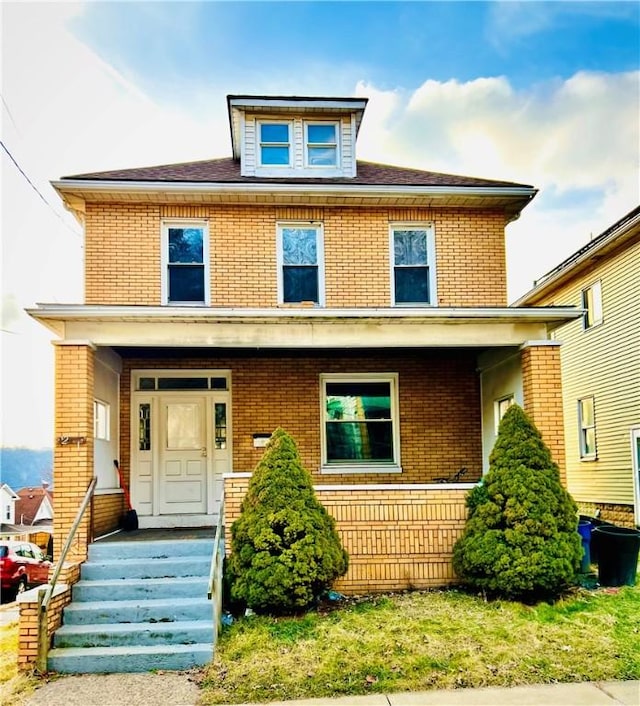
(601, 369)
(360, 306)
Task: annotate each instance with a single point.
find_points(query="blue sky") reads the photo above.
(542, 93)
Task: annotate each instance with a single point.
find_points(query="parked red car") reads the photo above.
(22, 565)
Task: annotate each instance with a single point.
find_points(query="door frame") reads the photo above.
(145, 464)
(635, 465)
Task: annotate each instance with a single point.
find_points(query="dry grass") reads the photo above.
(425, 640)
(14, 687)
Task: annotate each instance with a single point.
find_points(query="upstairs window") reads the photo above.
(321, 144)
(300, 263)
(592, 303)
(185, 251)
(587, 424)
(275, 144)
(413, 264)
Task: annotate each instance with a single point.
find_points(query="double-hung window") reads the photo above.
(321, 144)
(592, 304)
(275, 143)
(101, 420)
(360, 423)
(185, 251)
(413, 264)
(300, 263)
(587, 428)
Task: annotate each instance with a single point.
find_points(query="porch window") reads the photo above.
(185, 251)
(100, 420)
(587, 425)
(360, 423)
(300, 270)
(501, 406)
(592, 304)
(413, 264)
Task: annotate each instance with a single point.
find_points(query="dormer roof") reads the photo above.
(239, 105)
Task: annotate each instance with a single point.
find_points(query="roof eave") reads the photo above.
(627, 232)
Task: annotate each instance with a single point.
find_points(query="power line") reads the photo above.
(35, 188)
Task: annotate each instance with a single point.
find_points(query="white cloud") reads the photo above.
(71, 112)
(574, 140)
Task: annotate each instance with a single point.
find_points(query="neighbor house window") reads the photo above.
(300, 259)
(413, 264)
(275, 144)
(592, 304)
(321, 144)
(587, 424)
(501, 406)
(186, 254)
(100, 420)
(360, 423)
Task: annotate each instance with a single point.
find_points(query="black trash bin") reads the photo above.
(595, 522)
(618, 549)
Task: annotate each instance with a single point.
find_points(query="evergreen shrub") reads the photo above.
(520, 540)
(285, 550)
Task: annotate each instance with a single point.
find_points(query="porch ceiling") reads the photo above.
(187, 327)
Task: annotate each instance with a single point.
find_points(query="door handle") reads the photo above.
(203, 451)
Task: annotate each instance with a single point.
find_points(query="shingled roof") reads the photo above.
(227, 170)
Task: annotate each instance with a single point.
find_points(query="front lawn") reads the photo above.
(427, 640)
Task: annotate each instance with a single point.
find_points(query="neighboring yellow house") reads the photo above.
(360, 306)
(600, 356)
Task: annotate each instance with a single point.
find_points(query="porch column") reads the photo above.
(73, 442)
(542, 395)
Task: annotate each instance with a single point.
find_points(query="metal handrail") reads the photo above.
(214, 590)
(45, 595)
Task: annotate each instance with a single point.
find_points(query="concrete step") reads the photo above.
(157, 549)
(138, 589)
(142, 568)
(185, 632)
(161, 610)
(129, 658)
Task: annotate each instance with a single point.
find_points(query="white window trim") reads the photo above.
(431, 262)
(260, 144)
(336, 469)
(306, 145)
(581, 446)
(596, 289)
(185, 223)
(319, 250)
(497, 417)
(106, 436)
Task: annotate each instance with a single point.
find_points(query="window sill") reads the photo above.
(589, 458)
(359, 469)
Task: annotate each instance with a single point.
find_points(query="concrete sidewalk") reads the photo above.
(180, 689)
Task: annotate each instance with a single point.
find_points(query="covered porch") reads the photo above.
(187, 399)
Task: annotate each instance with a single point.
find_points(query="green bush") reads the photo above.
(520, 540)
(285, 550)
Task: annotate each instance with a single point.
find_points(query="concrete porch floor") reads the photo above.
(152, 535)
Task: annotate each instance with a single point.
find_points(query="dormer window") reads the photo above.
(275, 144)
(321, 144)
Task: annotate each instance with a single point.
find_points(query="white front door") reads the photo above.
(184, 455)
(180, 446)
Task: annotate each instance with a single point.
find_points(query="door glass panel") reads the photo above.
(144, 416)
(183, 426)
(181, 383)
(221, 425)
